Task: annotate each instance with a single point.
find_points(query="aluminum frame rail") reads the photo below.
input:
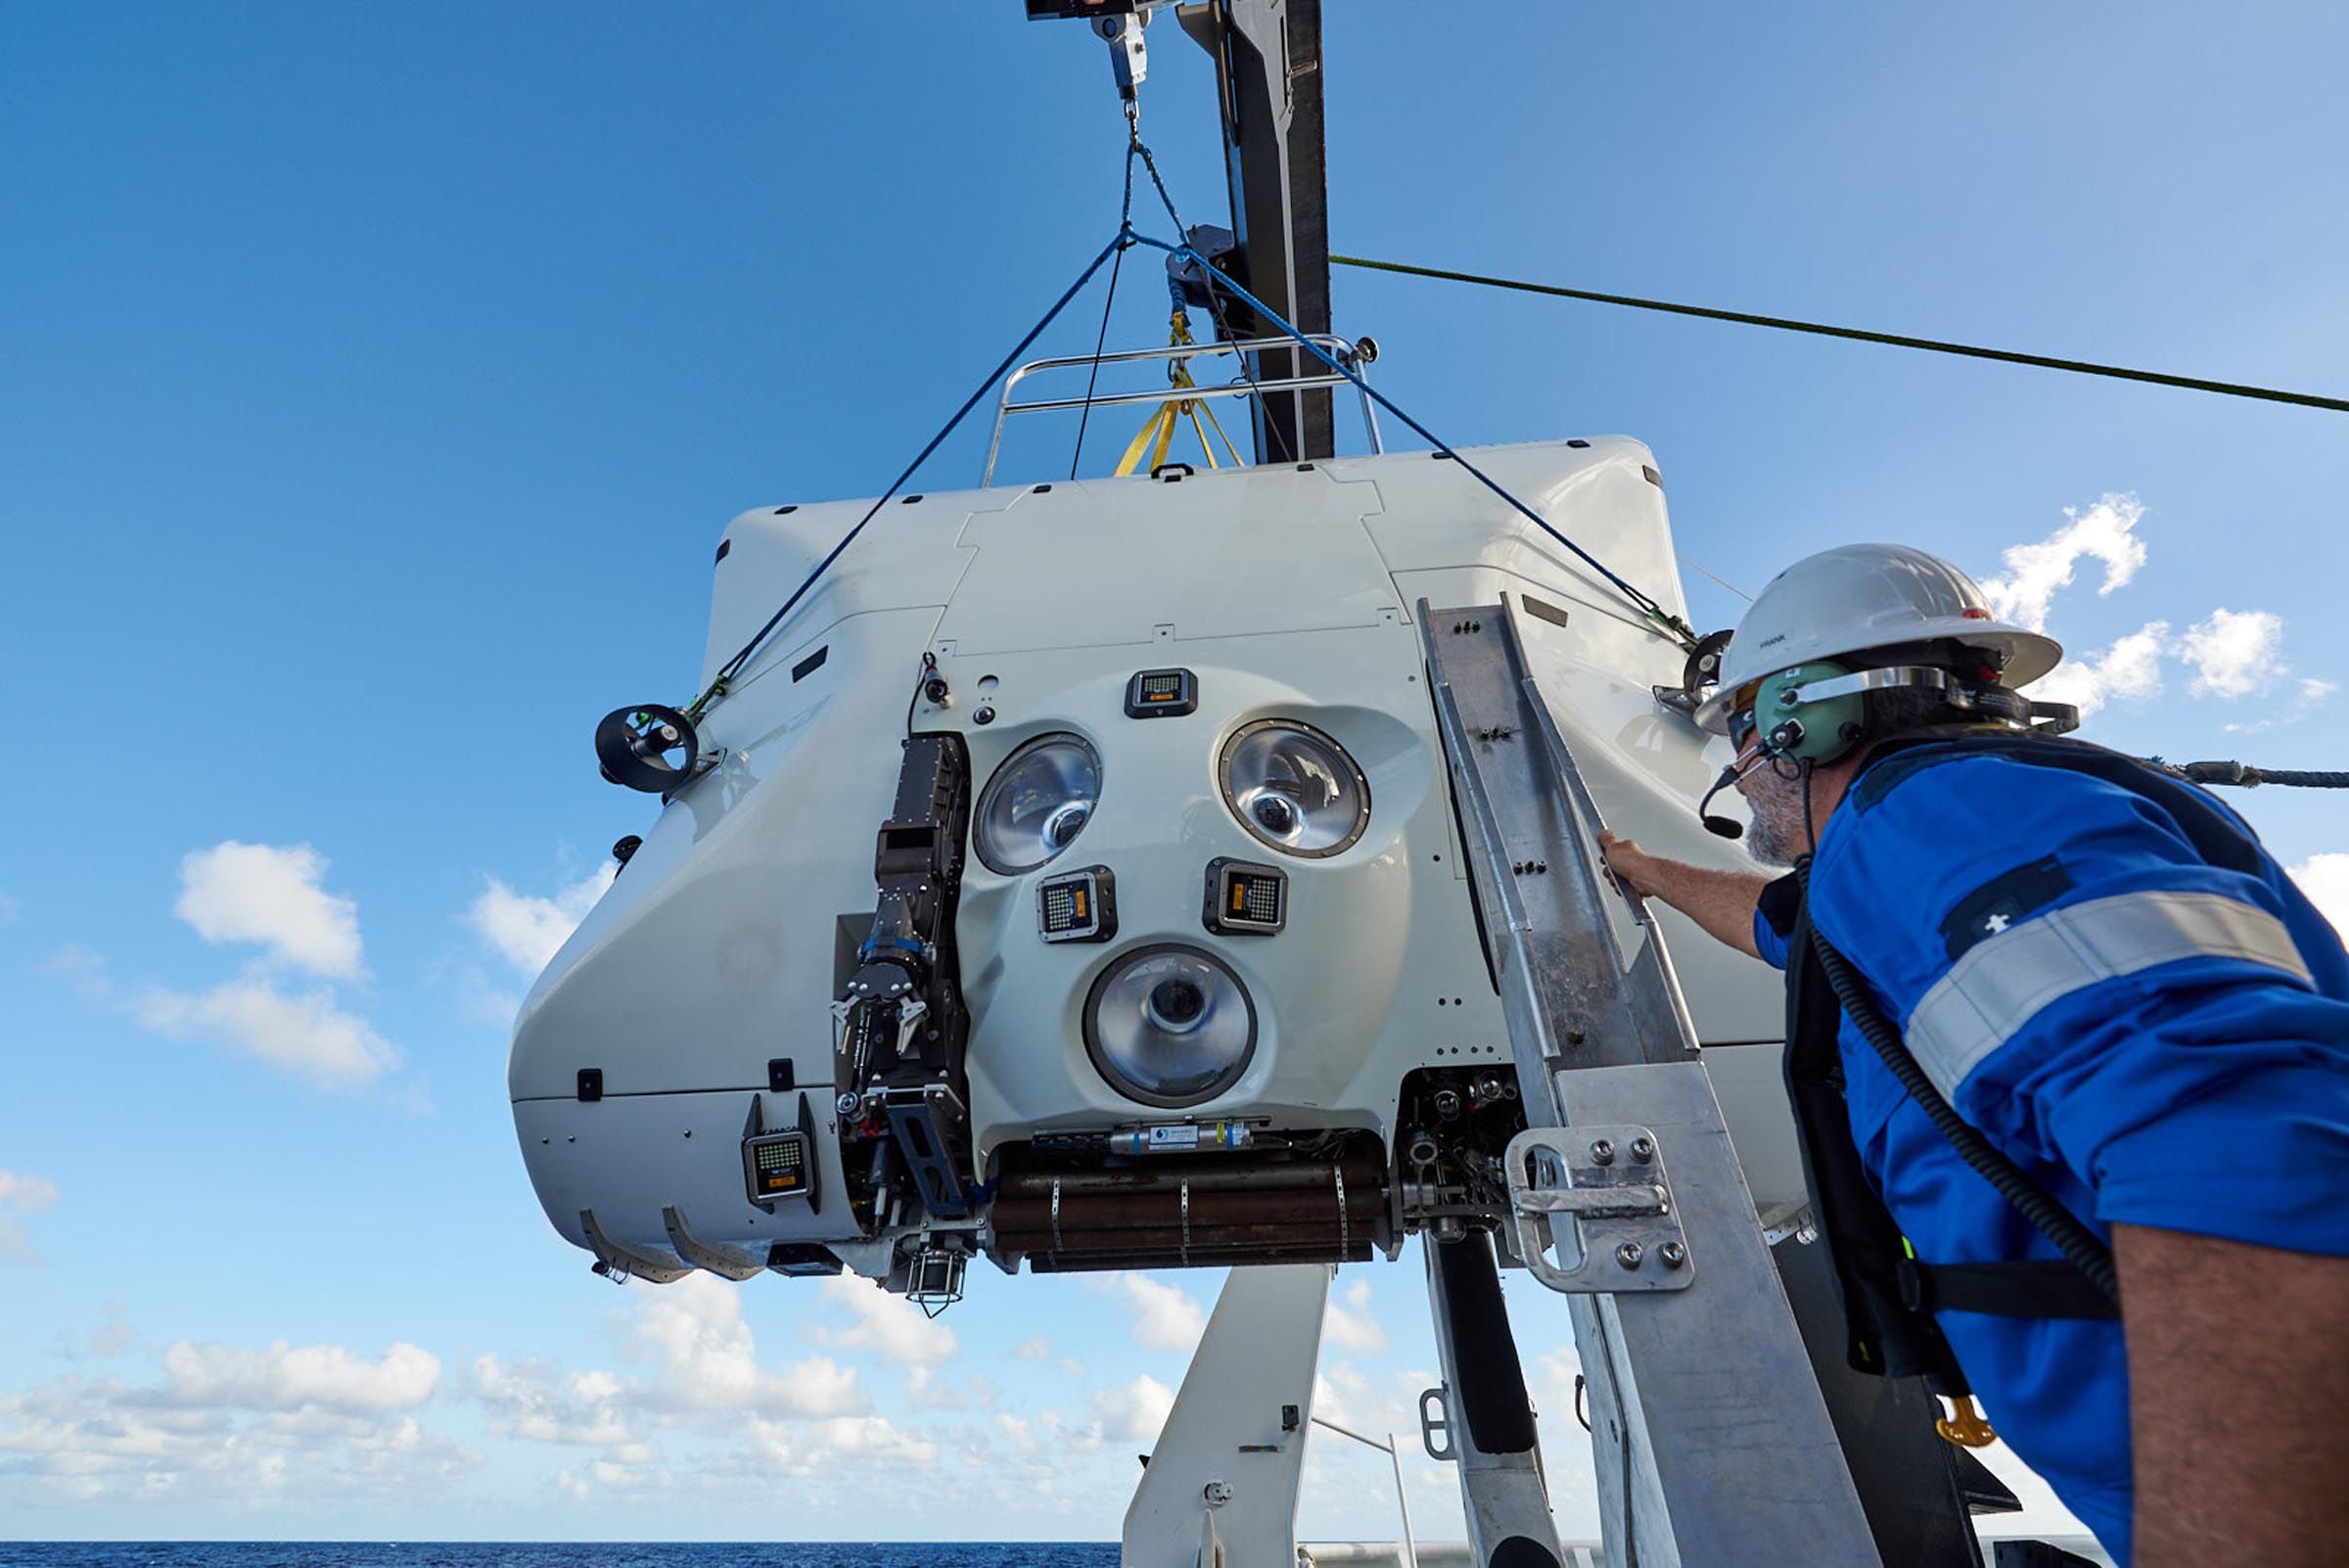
(1712, 1440)
(1344, 351)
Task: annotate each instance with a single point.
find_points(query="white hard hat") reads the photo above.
(1856, 598)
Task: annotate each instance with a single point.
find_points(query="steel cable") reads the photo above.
(2249, 777)
(2082, 368)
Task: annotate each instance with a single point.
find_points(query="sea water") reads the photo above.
(552, 1554)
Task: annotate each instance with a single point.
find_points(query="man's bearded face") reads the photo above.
(1779, 836)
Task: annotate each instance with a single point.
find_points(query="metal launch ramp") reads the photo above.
(1712, 1445)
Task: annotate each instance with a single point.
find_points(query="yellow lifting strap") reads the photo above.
(1157, 435)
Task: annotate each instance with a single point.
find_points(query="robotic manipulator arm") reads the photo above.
(903, 1027)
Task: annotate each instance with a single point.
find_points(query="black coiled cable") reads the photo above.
(2078, 1244)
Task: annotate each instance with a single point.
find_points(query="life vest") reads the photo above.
(1889, 1294)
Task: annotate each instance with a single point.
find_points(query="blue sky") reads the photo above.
(374, 385)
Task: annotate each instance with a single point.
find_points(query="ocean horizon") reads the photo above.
(556, 1554)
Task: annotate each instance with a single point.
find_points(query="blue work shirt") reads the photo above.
(2157, 1040)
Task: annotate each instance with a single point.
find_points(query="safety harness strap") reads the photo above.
(2033, 1287)
(1886, 1334)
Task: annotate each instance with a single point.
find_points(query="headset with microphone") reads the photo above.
(1728, 827)
(1818, 712)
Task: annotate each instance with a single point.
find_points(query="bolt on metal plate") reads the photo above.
(1594, 1210)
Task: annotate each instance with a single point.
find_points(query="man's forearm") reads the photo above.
(2239, 1374)
(1722, 902)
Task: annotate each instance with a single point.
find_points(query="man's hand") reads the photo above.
(1632, 866)
(1721, 901)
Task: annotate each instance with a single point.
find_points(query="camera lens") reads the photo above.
(1294, 788)
(1175, 1005)
(1038, 801)
(1274, 814)
(1170, 1025)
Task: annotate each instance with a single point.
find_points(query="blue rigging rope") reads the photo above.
(1672, 623)
(733, 666)
(1679, 629)
(1125, 241)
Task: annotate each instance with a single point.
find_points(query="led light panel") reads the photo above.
(1077, 906)
(1161, 694)
(776, 1165)
(1244, 900)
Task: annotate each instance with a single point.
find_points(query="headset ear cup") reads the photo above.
(1816, 732)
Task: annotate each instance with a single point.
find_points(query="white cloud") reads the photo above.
(533, 1401)
(890, 1327)
(2130, 671)
(1039, 1349)
(1342, 1394)
(2034, 572)
(710, 1361)
(29, 1194)
(115, 1335)
(315, 1420)
(307, 1034)
(526, 930)
(11, 908)
(1166, 1317)
(704, 1378)
(485, 1003)
(291, 1378)
(2235, 653)
(807, 1449)
(2324, 878)
(79, 968)
(21, 1195)
(270, 894)
(927, 1390)
(623, 1472)
(1018, 1434)
(1135, 1412)
(1351, 1326)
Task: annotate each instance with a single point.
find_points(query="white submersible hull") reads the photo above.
(1173, 958)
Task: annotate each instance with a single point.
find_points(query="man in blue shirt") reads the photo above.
(2101, 971)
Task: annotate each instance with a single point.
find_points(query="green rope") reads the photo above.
(2226, 389)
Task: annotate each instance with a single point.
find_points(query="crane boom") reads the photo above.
(1267, 56)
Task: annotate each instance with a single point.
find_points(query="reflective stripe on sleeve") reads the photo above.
(2004, 980)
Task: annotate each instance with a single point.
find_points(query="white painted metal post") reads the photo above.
(1410, 1549)
(1225, 1470)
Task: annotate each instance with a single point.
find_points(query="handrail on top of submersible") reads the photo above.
(1340, 348)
